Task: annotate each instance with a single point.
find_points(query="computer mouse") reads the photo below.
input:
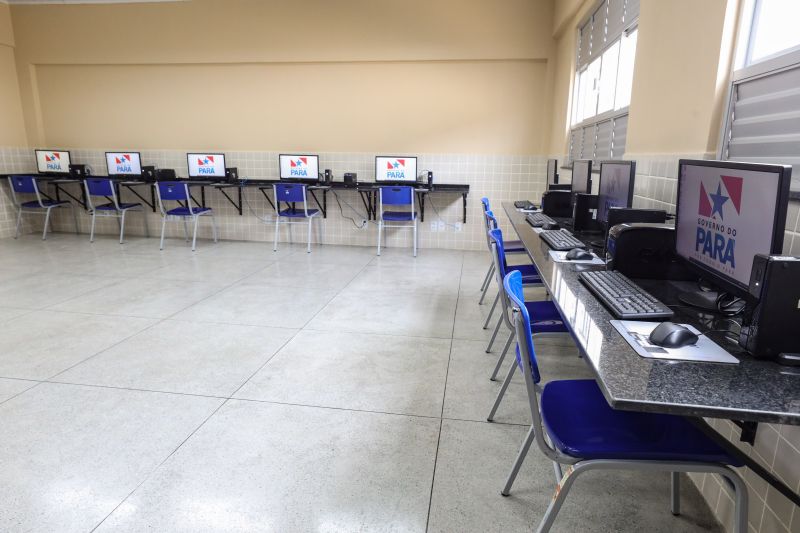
(578, 254)
(669, 335)
(551, 225)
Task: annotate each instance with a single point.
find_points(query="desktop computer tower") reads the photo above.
(645, 251)
(149, 173)
(78, 171)
(584, 213)
(557, 204)
(232, 174)
(773, 310)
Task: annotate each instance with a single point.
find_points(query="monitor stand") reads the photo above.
(705, 300)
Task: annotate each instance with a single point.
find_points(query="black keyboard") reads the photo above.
(561, 240)
(524, 204)
(537, 220)
(623, 297)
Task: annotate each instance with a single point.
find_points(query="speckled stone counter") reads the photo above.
(753, 390)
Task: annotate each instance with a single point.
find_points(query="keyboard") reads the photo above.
(524, 204)
(561, 240)
(537, 220)
(623, 297)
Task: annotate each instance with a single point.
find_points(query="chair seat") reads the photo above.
(45, 202)
(297, 213)
(112, 207)
(184, 211)
(529, 273)
(545, 318)
(399, 216)
(581, 424)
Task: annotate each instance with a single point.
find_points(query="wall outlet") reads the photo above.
(441, 225)
(364, 224)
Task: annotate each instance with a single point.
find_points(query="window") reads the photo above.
(602, 89)
(763, 119)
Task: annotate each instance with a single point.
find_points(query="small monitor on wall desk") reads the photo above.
(726, 214)
(52, 161)
(205, 166)
(616, 187)
(582, 176)
(124, 163)
(299, 167)
(552, 172)
(396, 169)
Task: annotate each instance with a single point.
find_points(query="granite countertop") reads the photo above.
(754, 390)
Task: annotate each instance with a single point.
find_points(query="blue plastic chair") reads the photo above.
(176, 191)
(292, 194)
(396, 196)
(104, 187)
(529, 274)
(512, 247)
(42, 205)
(586, 433)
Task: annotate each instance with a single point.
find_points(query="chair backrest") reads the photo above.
(499, 253)
(515, 298)
(100, 187)
(290, 193)
(485, 204)
(173, 191)
(24, 185)
(490, 221)
(396, 195)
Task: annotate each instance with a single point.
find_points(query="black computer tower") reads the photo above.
(645, 251)
(584, 213)
(166, 174)
(232, 174)
(557, 203)
(78, 171)
(772, 316)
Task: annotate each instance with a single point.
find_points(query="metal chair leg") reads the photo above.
(488, 284)
(494, 334)
(380, 232)
(308, 246)
(185, 230)
(19, 224)
(502, 391)
(46, 221)
(415, 238)
(194, 233)
(491, 311)
(275, 242)
(502, 357)
(163, 229)
(122, 227)
(515, 468)
(214, 230)
(675, 503)
(91, 230)
(558, 500)
(487, 277)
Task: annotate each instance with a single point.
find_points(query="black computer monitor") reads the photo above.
(726, 213)
(582, 176)
(616, 187)
(395, 169)
(552, 173)
(124, 163)
(52, 161)
(206, 165)
(301, 167)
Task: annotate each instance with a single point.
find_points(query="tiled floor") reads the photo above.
(237, 389)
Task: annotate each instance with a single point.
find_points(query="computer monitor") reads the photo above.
(206, 165)
(395, 169)
(552, 173)
(582, 176)
(124, 163)
(616, 187)
(726, 213)
(298, 167)
(52, 161)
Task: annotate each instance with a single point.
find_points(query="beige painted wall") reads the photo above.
(476, 82)
(12, 128)
(675, 102)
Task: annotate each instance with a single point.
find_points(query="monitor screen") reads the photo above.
(299, 167)
(124, 163)
(728, 212)
(206, 165)
(582, 176)
(397, 169)
(552, 174)
(52, 161)
(616, 187)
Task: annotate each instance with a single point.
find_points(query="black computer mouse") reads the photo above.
(578, 254)
(669, 335)
(551, 225)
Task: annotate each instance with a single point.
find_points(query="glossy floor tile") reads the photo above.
(239, 389)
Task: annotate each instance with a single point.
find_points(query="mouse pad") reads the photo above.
(637, 334)
(561, 257)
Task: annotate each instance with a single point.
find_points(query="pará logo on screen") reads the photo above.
(52, 160)
(299, 167)
(123, 163)
(396, 169)
(718, 214)
(205, 165)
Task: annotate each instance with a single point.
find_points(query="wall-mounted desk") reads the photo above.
(752, 391)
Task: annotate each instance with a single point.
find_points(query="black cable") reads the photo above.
(351, 219)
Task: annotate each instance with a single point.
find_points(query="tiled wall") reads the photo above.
(776, 447)
(12, 160)
(497, 176)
